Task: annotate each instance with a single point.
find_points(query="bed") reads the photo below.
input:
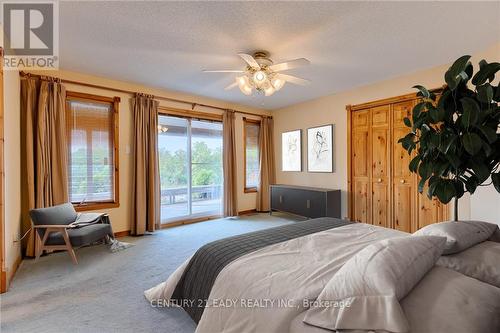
(264, 281)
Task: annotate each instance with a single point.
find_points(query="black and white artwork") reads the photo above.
(320, 149)
(291, 150)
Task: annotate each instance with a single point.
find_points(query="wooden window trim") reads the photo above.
(182, 113)
(115, 101)
(247, 189)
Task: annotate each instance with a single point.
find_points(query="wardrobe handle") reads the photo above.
(379, 180)
(402, 181)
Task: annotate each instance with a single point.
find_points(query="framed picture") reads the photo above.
(291, 151)
(320, 149)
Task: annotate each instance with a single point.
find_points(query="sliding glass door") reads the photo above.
(190, 153)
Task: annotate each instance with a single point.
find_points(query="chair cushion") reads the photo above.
(81, 236)
(60, 215)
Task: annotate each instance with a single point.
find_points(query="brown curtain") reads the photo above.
(44, 148)
(229, 164)
(267, 171)
(146, 178)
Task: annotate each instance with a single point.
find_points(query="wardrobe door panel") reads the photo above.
(360, 165)
(380, 154)
(404, 190)
(428, 209)
(380, 166)
(361, 203)
(380, 205)
(360, 154)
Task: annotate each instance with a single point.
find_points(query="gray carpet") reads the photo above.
(104, 292)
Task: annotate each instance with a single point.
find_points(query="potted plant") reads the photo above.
(455, 136)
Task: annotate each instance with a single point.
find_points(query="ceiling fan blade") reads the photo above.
(294, 79)
(249, 60)
(223, 71)
(231, 86)
(289, 65)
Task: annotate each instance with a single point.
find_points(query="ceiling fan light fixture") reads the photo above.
(244, 85)
(263, 75)
(277, 82)
(259, 77)
(269, 90)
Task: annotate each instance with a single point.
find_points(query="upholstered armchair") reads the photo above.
(62, 228)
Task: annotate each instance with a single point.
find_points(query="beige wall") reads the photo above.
(331, 110)
(121, 216)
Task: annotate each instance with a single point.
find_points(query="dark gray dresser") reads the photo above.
(305, 201)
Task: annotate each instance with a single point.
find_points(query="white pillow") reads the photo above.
(364, 294)
(460, 235)
(481, 262)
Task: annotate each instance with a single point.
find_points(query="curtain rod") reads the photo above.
(193, 104)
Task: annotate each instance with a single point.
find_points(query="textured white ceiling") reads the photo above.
(349, 44)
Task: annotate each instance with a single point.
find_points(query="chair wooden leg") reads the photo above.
(69, 247)
(38, 245)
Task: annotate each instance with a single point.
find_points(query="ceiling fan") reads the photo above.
(263, 75)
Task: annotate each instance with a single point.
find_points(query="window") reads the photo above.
(92, 127)
(251, 149)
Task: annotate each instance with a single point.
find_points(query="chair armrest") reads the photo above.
(60, 226)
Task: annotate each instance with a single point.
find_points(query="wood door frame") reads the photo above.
(350, 109)
(3, 270)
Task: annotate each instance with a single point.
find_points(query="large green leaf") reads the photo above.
(471, 184)
(414, 163)
(422, 91)
(459, 188)
(456, 73)
(471, 111)
(472, 143)
(487, 72)
(407, 121)
(489, 133)
(437, 114)
(421, 185)
(480, 170)
(451, 80)
(433, 181)
(459, 65)
(495, 177)
(485, 93)
(425, 170)
(487, 149)
(454, 160)
(417, 110)
(496, 98)
(445, 190)
(446, 143)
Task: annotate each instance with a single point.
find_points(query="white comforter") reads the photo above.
(265, 290)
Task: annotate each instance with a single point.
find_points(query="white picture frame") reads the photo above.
(291, 151)
(320, 149)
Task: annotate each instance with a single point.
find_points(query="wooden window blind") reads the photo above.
(92, 152)
(251, 151)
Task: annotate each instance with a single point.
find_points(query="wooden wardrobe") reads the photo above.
(382, 190)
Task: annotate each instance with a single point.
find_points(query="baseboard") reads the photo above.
(8, 275)
(247, 212)
(189, 221)
(124, 233)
